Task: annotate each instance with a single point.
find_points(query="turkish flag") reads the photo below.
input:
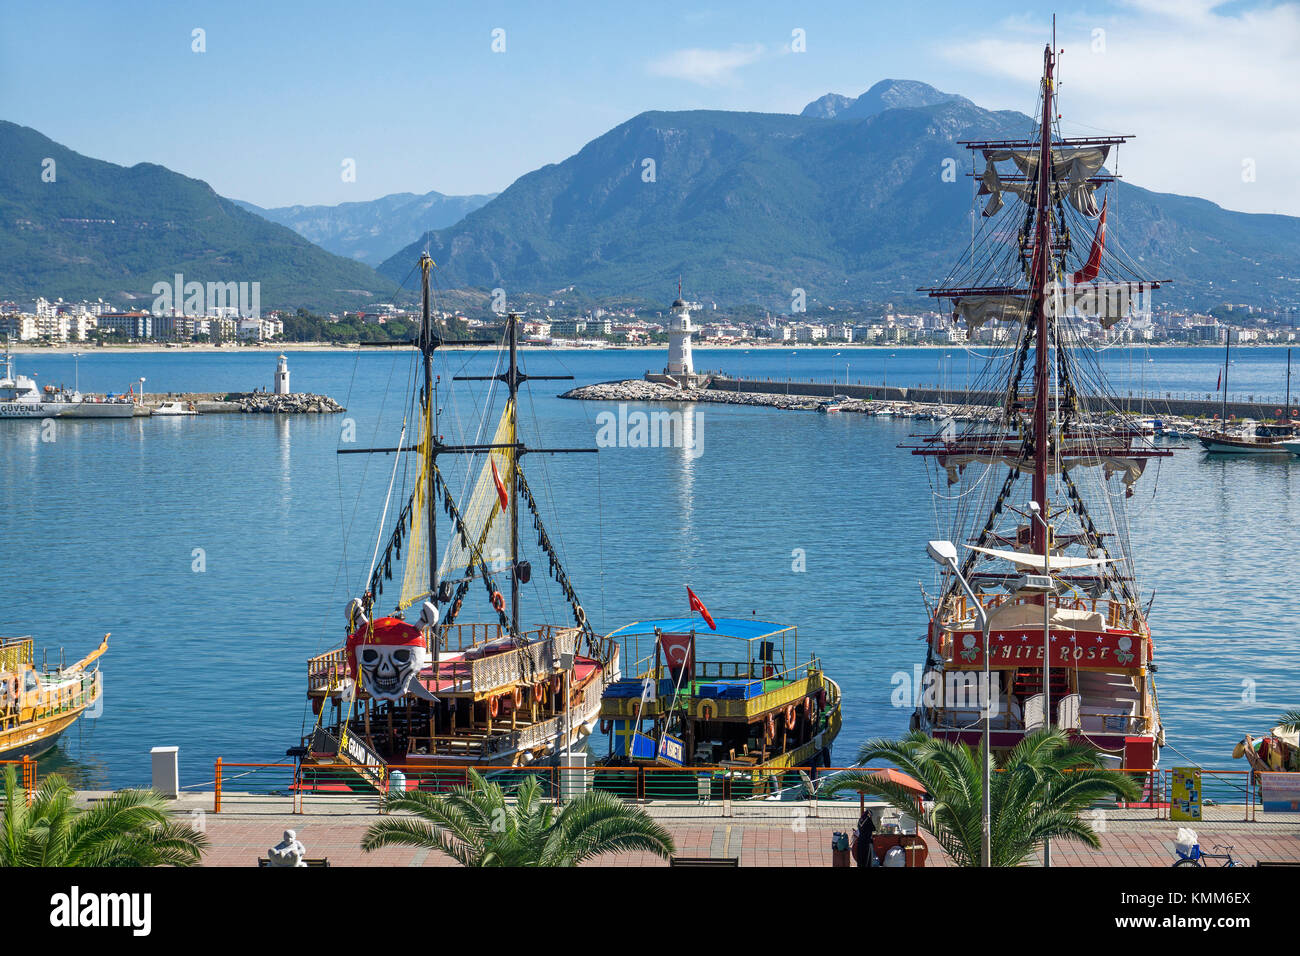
(1093, 265)
(698, 605)
(678, 649)
(502, 495)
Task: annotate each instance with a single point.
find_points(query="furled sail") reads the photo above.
(1108, 303)
(1129, 468)
(415, 576)
(1072, 168)
(485, 535)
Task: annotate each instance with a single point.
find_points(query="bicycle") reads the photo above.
(1197, 856)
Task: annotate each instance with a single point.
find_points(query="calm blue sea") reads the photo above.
(221, 551)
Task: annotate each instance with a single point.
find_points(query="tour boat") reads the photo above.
(20, 398)
(731, 695)
(1038, 584)
(38, 704)
(441, 691)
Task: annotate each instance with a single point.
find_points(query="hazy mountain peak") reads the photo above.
(888, 94)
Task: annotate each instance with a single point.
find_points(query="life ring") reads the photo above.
(539, 691)
(494, 706)
(810, 707)
(579, 615)
(498, 601)
(769, 727)
(706, 709)
(555, 683)
(517, 698)
(790, 716)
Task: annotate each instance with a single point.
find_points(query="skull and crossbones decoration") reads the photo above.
(386, 656)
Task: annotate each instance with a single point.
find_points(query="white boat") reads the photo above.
(20, 398)
(176, 409)
(1292, 446)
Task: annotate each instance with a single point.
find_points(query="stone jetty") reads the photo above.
(638, 390)
(235, 403)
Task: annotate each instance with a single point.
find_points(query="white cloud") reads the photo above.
(1205, 92)
(707, 67)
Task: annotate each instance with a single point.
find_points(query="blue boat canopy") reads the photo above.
(744, 628)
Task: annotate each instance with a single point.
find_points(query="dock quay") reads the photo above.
(752, 833)
(807, 395)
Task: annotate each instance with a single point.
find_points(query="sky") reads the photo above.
(269, 101)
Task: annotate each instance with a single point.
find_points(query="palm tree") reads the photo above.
(1040, 791)
(1290, 721)
(476, 826)
(128, 828)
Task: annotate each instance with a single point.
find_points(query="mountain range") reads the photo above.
(372, 231)
(76, 227)
(845, 201)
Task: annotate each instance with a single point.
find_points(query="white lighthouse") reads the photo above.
(680, 365)
(282, 376)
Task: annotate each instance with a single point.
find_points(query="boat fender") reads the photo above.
(821, 699)
(498, 601)
(494, 706)
(585, 729)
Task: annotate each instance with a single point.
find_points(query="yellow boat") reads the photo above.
(735, 700)
(38, 705)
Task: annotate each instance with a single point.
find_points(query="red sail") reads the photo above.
(502, 495)
(1093, 266)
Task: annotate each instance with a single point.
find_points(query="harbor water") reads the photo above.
(220, 551)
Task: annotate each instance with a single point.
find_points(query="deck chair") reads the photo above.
(1035, 714)
(1067, 712)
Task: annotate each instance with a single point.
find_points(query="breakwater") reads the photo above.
(804, 395)
(236, 403)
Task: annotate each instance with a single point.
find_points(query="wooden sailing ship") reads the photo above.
(1068, 644)
(734, 698)
(440, 691)
(38, 704)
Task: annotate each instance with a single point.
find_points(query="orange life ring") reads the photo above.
(494, 706)
(498, 601)
(790, 716)
(539, 691)
(555, 683)
(517, 698)
(770, 727)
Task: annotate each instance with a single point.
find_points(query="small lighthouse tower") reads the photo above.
(282, 376)
(680, 365)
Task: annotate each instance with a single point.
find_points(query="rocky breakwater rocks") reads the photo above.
(638, 390)
(299, 403)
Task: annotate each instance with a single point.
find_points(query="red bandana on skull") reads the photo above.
(387, 655)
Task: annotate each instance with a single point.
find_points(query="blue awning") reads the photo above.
(744, 628)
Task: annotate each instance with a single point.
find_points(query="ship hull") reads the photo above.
(1229, 446)
(66, 410)
(33, 740)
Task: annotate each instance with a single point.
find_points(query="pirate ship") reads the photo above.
(442, 691)
(735, 698)
(1037, 493)
(38, 704)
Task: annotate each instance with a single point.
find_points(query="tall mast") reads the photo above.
(427, 347)
(1227, 350)
(512, 383)
(1040, 278)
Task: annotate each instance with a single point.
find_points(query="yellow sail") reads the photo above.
(487, 538)
(415, 577)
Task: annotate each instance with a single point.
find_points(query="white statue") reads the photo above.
(288, 852)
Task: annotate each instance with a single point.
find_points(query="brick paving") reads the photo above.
(760, 833)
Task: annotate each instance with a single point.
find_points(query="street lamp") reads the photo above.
(141, 391)
(945, 553)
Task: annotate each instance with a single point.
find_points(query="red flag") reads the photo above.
(698, 605)
(678, 652)
(1093, 266)
(502, 495)
(1219, 383)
